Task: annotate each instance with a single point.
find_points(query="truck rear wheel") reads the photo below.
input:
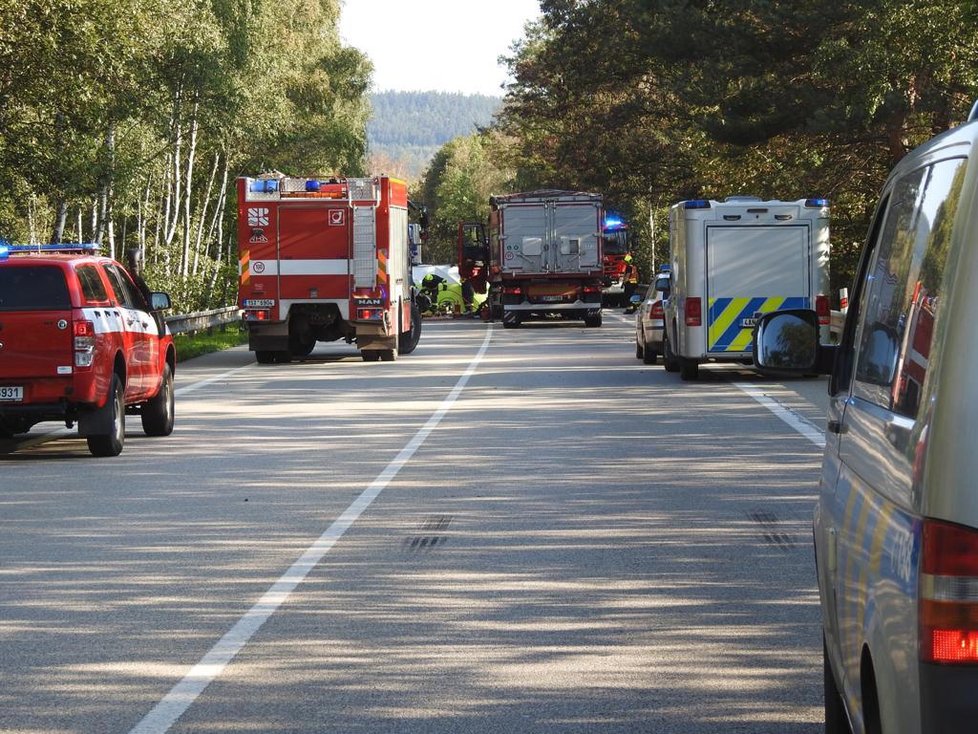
(591, 322)
(388, 355)
(409, 339)
(110, 444)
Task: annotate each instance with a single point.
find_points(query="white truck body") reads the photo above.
(732, 261)
(546, 256)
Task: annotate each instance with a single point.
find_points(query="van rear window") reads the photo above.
(33, 288)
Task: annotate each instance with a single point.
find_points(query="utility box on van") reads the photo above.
(733, 261)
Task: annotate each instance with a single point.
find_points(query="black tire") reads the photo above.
(299, 349)
(158, 412)
(689, 369)
(388, 355)
(511, 321)
(370, 355)
(639, 350)
(669, 359)
(10, 427)
(111, 444)
(592, 322)
(836, 721)
(264, 357)
(649, 356)
(409, 339)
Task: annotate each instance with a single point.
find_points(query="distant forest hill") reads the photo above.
(408, 128)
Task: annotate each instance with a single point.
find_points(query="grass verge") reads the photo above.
(193, 345)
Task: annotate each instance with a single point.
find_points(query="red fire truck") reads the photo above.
(541, 256)
(323, 259)
(617, 244)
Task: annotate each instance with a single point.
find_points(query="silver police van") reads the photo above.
(896, 523)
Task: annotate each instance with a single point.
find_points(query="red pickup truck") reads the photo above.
(82, 342)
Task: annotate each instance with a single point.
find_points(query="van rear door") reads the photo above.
(752, 270)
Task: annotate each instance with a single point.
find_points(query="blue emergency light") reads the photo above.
(613, 222)
(816, 202)
(697, 204)
(64, 248)
(264, 186)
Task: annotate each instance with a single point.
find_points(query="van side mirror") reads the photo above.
(786, 342)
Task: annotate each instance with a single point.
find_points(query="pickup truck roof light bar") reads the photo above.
(84, 248)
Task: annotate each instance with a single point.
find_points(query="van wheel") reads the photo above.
(157, 413)
(669, 359)
(111, 444)
(836, 721)
(688, 369)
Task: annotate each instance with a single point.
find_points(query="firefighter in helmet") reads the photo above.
(630, 278)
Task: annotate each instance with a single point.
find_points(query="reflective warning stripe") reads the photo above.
(725, 319)
(244, 267)
(382, 268)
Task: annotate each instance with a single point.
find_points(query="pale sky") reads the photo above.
(441, 45)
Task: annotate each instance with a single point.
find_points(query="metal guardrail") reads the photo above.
(192, 322)
(837, 322)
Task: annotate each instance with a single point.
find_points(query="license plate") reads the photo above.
(11, 394)
(259, 303)
(551, 299)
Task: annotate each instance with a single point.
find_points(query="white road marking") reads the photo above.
(210, 380)
(172, 706)
(801, 424)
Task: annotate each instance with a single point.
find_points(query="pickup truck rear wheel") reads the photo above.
(111, 444)
(157, 414)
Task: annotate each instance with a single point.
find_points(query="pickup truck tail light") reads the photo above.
(948, 606)
(694, 312)
(84, 332)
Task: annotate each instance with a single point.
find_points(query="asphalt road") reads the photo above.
(509, 530)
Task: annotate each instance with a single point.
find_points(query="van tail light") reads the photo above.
(822, 310)
(84, 332)
(948, 613)
(656, 311)
(694, 312)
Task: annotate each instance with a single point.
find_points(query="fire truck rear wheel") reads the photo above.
(388, 355)
(591, 322)
(409, 339)
(370, 355)
(263, 357)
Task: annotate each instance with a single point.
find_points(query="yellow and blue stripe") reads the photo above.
(726, 316)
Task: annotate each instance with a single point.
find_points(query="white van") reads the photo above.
(896, 523)
(733, 261)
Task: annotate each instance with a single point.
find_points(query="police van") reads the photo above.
(896, 522)
(731, 262)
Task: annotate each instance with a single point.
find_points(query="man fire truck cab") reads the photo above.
(617, 259)
(326, 258)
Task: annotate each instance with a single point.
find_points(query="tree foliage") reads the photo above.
(654, 101)
(125, 122)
